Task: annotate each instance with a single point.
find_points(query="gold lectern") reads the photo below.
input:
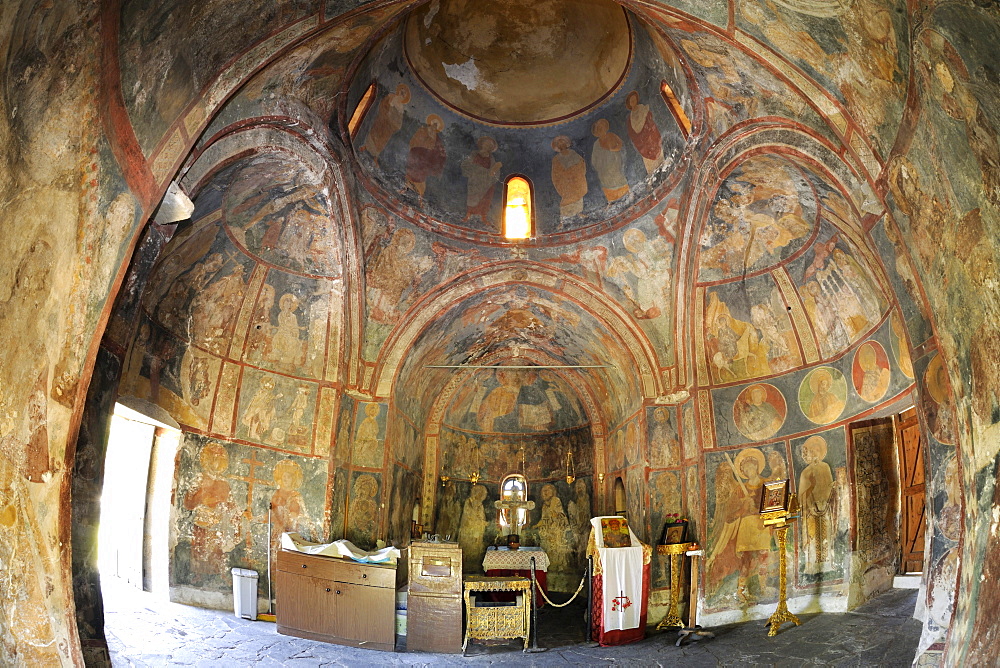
(778, 509)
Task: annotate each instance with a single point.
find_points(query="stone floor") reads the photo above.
(145, 631)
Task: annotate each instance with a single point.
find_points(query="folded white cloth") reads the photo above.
(339, 548)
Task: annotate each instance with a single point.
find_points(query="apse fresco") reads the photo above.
(507, 321)
(494, 455)
(764, 211)
(225, 496)
(515, 401)
(422, 151)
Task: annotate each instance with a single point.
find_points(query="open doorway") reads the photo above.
(135, 503)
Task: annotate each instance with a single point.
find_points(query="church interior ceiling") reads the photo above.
(747, 239)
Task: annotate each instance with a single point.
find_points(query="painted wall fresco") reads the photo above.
(739, 567)
(763, 213)
(514, 320)
(876, 489)
(223, 494)
(819, 468)
(425, 154)
(801, 399)
(748, 332)
(822, 40)
(736, 87)
(156, 95)
(945, 220)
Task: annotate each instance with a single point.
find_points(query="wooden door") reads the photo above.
(911, 476)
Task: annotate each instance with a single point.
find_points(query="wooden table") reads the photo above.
(497, 621)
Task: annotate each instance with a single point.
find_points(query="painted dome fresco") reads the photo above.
(580, 97)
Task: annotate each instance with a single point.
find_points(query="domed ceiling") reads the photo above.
(566, 93)
(519, 62)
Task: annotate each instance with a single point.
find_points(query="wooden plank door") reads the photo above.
(911, 475)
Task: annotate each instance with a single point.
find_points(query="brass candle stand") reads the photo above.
(779, 521)
(673, 620)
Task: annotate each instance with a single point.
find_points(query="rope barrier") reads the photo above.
(572, 598)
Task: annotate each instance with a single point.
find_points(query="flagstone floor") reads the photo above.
(145, 631)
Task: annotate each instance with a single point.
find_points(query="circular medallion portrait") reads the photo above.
(939, 409)
(823, 395)
(870, 371)
(759, 411)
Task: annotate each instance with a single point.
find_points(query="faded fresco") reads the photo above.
(764, 212)
(419, 147)
(819, 471)
(225, 496)
(255, 325)
(739, 569)
(748, 333)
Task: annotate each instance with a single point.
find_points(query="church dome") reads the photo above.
(580, 97)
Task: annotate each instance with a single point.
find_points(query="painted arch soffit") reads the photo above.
(623, 336)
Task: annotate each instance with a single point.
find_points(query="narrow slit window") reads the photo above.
(517, 209)
(364, 104)
(676, 108)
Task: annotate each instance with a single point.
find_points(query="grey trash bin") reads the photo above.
(245, 593)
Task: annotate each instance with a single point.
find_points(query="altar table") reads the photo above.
(504, 562)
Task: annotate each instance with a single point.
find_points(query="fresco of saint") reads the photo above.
(427, 155)
(664, 448)
(607, 160)
(471, 530)
(569, 177)
(734, 347)
(739, 544)
(216, 528)
(643, 273)
(644, 133)
(817, 501)
(480, 170)
(823, 395)
(367, 445)
(759, 411)
(392, 271)
(362, 521)
(553, 528)
(870, 371)
(388, 121)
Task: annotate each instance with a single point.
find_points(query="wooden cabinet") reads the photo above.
(434, 603)
(335, 600)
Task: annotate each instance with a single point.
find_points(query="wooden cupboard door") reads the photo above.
(911, 463)
(363, 613)
(304, 603)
